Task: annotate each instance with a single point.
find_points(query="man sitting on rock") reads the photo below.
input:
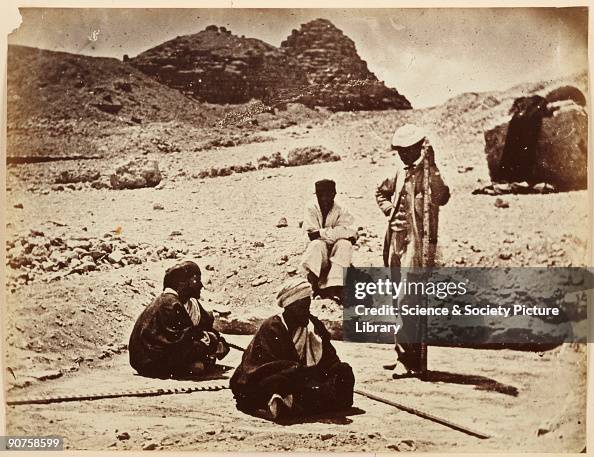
(174, 336)
(331, 239)
(291, 368)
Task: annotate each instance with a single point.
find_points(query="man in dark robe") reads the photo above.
(519, 156)
(291, 368)
(174, 336)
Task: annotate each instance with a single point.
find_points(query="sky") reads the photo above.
(428, 55)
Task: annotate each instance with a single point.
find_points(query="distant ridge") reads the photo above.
(316, 65)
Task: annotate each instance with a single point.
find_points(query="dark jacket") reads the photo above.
(164, 340)
(272, 352)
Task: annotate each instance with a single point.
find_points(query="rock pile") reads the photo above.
(561, 151)
(316, 66)
(77, 176)
(35, 255)
(297, 157)
(136, 174)
(310, 155)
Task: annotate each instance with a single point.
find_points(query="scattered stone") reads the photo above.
(282, 222)
(19, 206)
(505, 256)
(284, 259)
(158, 206)
(499, 203)
(542, 431)
(259, 281)
(123, 436)
(115, 257)
(45, 375)
(149, 447)
(78, 243)
(258, 244)
(403, 446)
(544, 188)
(175, 233)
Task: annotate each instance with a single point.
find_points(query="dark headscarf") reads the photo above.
(325, 186)
(179, 273)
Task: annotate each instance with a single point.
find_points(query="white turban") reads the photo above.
(407, 135)
(292, 291)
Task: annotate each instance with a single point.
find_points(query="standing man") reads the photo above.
(174, 336)
(331, 234)
(409, 242)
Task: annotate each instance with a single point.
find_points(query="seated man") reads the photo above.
(174, 335)
(331, 235)
(290, 367)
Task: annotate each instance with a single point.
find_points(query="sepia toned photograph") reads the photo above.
(297, 230)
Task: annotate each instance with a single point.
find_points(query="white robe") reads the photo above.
(327, 256)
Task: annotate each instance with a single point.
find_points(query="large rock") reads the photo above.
(136, 174)
(562, 153)
(309, 155)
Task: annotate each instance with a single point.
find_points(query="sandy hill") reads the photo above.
(59, 85)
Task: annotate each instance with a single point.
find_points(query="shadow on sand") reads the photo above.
(479, 382)
(331, 417)
(217, 372)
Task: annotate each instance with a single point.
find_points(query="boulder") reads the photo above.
(309, 155)
(136, 174)
(561, 149)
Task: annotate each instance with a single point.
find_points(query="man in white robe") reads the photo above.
(331, 234)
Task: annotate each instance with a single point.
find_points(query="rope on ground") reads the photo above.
(99, 396)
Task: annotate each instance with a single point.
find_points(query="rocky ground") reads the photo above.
(83, 260)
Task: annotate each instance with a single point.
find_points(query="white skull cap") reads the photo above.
(407, 135)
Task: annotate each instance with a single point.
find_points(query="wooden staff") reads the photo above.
(425, 250)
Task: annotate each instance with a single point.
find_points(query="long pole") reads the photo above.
(424, 415)
(425, 252)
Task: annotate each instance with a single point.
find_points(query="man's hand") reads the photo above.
(313, 235)
(210, 340)
(222, 349)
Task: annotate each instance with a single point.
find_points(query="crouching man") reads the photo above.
(331, 234)
(174, 336)
(291, 368)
